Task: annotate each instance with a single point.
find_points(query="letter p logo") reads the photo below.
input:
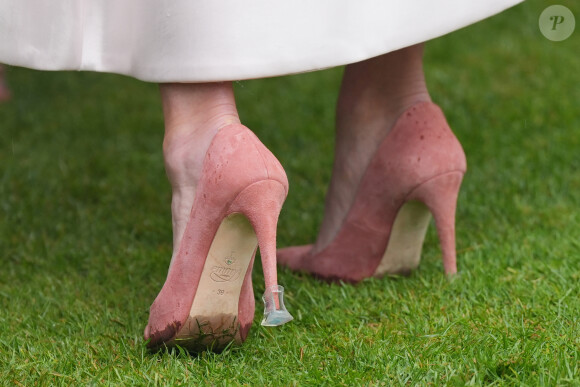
(557, 20)
(557, 23)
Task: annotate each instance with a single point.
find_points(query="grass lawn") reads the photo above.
(85, 230)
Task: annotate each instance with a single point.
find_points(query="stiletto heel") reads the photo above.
(207, 300)
(440, 196)
(263, 215)
(416, 169)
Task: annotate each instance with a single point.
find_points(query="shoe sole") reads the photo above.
(213, 318)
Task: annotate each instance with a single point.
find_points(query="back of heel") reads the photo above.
(440, 195)
(261, 203)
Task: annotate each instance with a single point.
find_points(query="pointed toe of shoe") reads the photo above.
(292, 257)
(166, 317)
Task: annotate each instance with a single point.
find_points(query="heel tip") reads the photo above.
(276, 318)
(275, 313)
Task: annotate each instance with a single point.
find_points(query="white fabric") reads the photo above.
(217, 40)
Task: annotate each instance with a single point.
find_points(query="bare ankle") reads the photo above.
(193, 113)
(197, 107)
(378, 90)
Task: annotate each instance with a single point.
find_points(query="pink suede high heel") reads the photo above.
(207, 300)
(417, 169)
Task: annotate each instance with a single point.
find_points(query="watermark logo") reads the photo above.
(557, 23)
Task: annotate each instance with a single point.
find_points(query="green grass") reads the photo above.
(85, 230)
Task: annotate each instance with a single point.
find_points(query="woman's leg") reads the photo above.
(374, 93)
(193, 113)
(207, 300)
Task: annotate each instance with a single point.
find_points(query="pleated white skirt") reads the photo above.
(218, 40)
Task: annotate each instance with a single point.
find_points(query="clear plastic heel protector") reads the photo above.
(275, 312)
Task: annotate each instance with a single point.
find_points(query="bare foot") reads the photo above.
(193, 113)
(374, 93)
